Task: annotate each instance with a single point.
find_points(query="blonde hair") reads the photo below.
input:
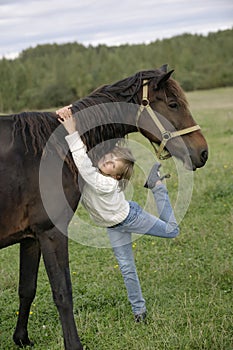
(125, 155)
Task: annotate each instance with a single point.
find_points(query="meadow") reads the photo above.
(187, 282)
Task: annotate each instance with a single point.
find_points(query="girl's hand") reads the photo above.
(66, 119)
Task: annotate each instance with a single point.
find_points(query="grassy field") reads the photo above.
(187, 282)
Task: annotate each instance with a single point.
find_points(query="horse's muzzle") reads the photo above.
(200, 161)
(204, 156)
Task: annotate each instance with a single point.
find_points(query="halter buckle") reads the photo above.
(145, 102)
(166, 135)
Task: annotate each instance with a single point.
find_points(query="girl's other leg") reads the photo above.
(122, 247)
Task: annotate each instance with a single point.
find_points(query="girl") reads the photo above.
(104, 199)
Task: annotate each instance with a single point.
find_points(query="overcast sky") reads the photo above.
(27, 23)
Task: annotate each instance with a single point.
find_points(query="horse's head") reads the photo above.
(165, 119)
(163, 116)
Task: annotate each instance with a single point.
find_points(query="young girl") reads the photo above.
(103, 197)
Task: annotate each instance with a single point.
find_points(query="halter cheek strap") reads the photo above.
(166, 135)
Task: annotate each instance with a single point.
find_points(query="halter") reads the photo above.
(166, 135)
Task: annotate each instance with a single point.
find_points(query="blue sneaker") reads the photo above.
(140, 317)
(155, 176)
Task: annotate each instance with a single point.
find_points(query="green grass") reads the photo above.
(187, 282)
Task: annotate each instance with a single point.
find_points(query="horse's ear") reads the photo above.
(163, 68)
(162, 79)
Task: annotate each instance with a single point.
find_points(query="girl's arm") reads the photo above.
(79, 152)
(65, 117)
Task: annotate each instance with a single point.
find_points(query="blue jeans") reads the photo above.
(141, 222)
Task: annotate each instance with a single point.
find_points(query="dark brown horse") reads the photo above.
(34, 158)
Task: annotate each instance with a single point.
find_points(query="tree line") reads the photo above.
(53, 75)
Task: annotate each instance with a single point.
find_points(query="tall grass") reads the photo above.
(187, 282)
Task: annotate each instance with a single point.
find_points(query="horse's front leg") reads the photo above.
(54, 246)
(29, 262)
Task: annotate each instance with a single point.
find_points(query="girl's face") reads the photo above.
(109, 165)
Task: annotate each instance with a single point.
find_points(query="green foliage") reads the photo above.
(187, 282)
(54, 75)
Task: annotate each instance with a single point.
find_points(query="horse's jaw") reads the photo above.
(184, 158)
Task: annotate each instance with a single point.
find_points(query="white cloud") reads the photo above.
(31, 22)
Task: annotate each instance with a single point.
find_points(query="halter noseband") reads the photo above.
(166, 135)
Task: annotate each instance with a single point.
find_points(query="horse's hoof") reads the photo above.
(23, 342)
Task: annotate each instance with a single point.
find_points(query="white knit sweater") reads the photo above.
(101, 197)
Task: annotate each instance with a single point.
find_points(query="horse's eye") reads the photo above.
(173, 105)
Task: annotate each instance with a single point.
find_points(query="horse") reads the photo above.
(150, 102)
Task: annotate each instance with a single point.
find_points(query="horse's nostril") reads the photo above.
(204, 156)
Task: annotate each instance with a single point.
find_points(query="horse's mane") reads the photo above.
(35, 129)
